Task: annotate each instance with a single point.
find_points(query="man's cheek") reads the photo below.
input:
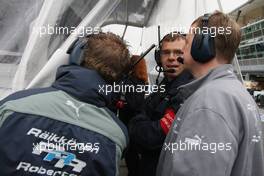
(163, 62)
(186, 49)
(185, 54)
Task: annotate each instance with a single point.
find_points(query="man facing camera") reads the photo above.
(148, 128)
(67, 129)
(217, 131)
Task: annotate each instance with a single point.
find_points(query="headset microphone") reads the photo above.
(170, 70)
(180, 60)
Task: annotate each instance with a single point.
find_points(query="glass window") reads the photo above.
(250, 56)
(257, 26)
(253, 28)
(252, 49)
(249, 36)
(257, 33)
(262, 24)
(243, 38)
(259, 55)
(238, 52)
(246, 57)
(248, 29)
(245, 50)
(242, 31)
(260, 47)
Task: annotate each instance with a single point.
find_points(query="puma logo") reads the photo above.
(77, 109)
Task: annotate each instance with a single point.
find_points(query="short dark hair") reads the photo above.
(108, 54)
(172, 36)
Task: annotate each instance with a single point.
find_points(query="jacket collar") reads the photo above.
(182, 79)
(224, 71)
(83, 84)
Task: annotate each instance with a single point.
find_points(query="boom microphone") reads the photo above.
(180, 60)
(127, 71)
(170, 70)
(143, 55)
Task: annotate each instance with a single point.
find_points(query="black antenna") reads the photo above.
(144, 54)
(158, 68)
(238, 15)
(128, 71)
(159, 35)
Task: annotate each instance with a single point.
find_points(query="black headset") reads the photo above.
(203, 45)
(76, 51)
(157, 56)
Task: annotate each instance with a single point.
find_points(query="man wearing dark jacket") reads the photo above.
(217, 131)
(128, 104)
(148, 129)
(67, 129)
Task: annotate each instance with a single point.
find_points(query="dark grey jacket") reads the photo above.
(216, 132)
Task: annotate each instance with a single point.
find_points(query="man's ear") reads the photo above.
(140, 71)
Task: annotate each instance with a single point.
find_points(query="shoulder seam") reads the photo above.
(219, 115)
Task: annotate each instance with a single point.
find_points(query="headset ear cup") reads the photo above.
(76, 52)
(203, 48)
(203, 45)
(196, 44)
(157, 57)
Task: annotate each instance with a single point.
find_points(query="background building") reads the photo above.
(251, 50)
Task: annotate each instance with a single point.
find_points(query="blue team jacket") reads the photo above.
(65, 129)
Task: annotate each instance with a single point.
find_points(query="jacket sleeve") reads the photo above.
(146, 133)
(203, 145)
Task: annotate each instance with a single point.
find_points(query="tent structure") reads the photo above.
(35, 35)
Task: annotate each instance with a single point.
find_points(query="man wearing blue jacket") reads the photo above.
(217, 129)
(67, 129)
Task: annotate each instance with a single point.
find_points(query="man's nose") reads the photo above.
(172, 56)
